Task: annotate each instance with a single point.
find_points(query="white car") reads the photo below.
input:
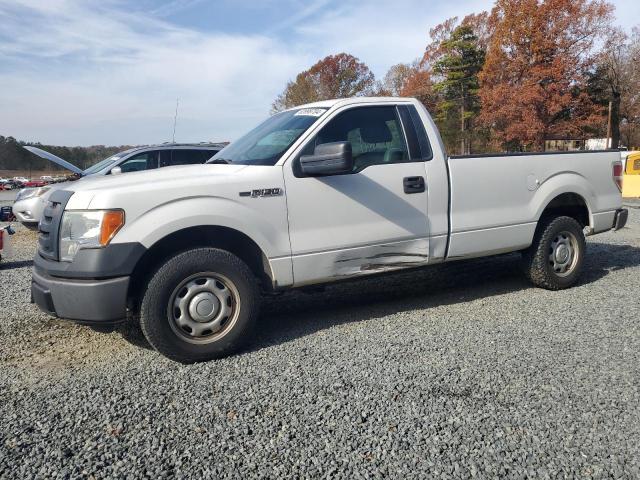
(30, 202)
(319, 193)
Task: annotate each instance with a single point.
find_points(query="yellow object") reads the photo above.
(633, 164)
(631, 186)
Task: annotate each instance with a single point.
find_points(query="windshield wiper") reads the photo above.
(219, 160)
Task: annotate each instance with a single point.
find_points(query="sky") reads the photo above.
(108, 72)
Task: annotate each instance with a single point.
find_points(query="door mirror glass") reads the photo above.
(333, 158)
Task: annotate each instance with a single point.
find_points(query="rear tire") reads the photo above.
(556, 257)
(200, 305)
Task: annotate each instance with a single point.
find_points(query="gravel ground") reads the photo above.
(456, 371)
(7, 196)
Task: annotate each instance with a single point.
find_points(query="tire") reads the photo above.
(200, 305)
(556, 257)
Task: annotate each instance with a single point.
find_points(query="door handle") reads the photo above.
(413, 184)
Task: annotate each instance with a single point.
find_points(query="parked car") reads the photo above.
(12, 185)
(34, 184)
(30, 202)
(323, 192)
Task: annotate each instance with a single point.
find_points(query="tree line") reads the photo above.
(14, 157)
(507, 79)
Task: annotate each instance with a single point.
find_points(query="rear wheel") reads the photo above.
(554, 260)
(200, 305)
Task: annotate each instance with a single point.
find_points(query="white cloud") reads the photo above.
(93, 75)
(383, 33)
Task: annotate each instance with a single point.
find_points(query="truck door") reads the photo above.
(372, 220)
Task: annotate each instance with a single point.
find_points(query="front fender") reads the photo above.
(151, 226)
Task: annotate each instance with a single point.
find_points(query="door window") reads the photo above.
(375, 134)
(189, 157)
(140, 162)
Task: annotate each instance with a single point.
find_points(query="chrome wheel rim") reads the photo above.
(204, 307)
(563, 253)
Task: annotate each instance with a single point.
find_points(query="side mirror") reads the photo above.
(116, 171)
(328, 159)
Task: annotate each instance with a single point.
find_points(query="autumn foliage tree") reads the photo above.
(396, 79)
(420, 85)
(532, 84)
(335, 76)
(615, 81)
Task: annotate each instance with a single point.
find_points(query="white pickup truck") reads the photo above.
(319, 193)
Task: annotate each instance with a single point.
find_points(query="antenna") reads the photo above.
(175, 120)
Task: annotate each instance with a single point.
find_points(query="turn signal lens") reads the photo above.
(112, 221)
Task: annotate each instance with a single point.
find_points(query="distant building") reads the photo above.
(568, 144)
(563, 144)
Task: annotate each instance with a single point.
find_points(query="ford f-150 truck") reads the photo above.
(315, 194)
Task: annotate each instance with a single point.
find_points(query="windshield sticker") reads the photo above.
(310, 112)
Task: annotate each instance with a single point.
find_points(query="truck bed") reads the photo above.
(497, 199)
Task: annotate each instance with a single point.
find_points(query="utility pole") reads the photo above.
(609, 132)
(175, 120)
(463, 146)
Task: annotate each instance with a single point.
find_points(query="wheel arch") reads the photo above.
(211, 236)
(568, 204)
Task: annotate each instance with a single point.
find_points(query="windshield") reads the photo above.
(102, 164)
(265, 144)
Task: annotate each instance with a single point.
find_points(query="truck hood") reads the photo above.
(158, 180)
(53, 158)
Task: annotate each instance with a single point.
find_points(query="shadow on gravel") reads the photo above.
(12, 265)
(296, 314)
(303, 312)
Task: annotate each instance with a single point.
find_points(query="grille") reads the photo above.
(49, 226)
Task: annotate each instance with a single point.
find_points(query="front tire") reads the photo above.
(556, 257)
(200, 305)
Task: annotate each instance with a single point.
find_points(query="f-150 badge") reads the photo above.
(263, 192)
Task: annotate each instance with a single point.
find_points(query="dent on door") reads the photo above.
(367, 224)
(370, 259)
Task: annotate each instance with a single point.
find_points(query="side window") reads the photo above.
(140, 162)
(188, 157)
(375, 134)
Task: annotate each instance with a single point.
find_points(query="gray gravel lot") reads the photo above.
(7, 196)
(456, 371)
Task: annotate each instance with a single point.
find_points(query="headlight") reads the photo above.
(87, 229)
(31, 192)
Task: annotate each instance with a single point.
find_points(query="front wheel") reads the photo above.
(200, 305)
(555, 259)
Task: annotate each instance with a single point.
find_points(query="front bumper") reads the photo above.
(98, 302)
(29, 211)
(620, 220)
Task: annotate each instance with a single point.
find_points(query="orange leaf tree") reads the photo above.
(532, 84)
(335, 76)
